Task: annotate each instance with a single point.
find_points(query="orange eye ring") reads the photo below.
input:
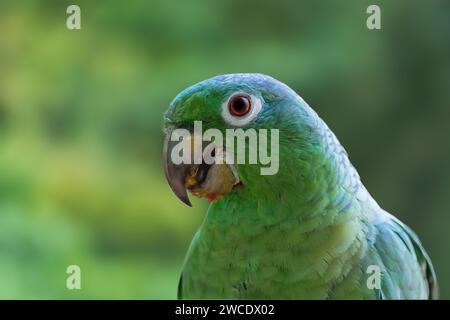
(239, 105)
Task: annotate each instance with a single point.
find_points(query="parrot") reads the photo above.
(309, 231)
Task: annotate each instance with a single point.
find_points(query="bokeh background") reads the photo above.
(81, 178)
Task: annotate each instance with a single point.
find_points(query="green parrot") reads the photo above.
(309, 231)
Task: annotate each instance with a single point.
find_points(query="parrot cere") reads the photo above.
(289, 217)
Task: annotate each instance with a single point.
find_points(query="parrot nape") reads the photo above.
(310, 231)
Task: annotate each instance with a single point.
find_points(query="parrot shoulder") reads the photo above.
(408, 268)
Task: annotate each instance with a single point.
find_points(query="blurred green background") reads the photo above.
(81, 178)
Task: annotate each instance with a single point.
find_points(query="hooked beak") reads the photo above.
(175, 174)
(211, 181)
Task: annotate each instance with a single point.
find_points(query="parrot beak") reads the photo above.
(175, 174)
(211, 181)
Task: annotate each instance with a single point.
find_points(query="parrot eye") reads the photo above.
(241, 108)
(239, 105)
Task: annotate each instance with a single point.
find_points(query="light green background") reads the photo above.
(81, 178)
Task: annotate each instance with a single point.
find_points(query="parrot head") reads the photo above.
(274, 120)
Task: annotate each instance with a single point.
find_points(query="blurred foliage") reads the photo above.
(81, 177)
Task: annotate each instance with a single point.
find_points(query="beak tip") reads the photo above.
(186, 201)
(180, 192)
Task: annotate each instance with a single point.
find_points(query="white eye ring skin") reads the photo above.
(255, 108)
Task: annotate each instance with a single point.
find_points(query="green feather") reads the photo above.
(308, 232)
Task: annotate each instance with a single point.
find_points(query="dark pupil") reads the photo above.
(240, 105)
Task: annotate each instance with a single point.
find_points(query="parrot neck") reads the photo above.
(242, 219)
(317, 186)
(287, 239)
